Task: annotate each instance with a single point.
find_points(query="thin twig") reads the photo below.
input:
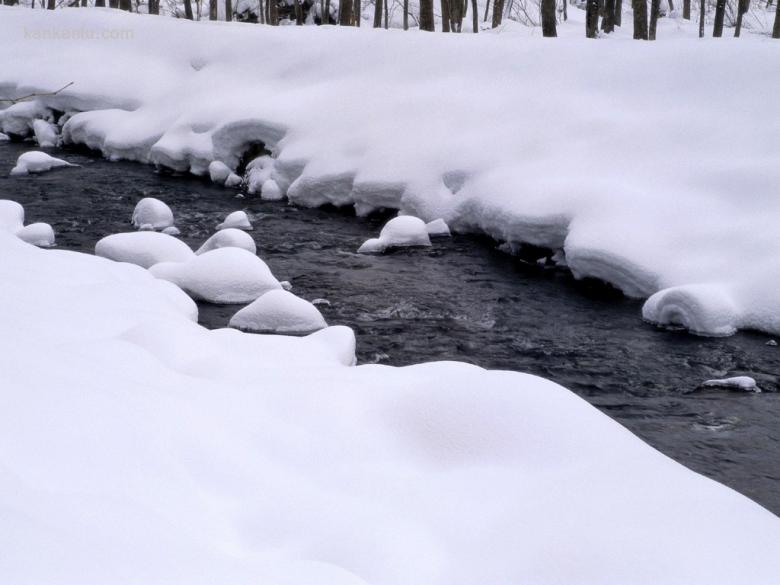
(34, 95)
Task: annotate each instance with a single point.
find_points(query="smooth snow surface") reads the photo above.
(237, 219)
(229, 237)
(143, 248)
(689, 195)
(152, 214)
(399, 232)
(279, 311)
(223, 275)
(139, 447)
(37, 162)
(11, 216)
(38, 234)
(438, 228)
(744, 383)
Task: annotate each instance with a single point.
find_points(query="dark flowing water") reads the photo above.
(461, 300)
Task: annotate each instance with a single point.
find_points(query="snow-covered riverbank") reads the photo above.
(653, 165)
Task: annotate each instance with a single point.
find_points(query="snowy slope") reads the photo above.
(653, 165)
(137, 447)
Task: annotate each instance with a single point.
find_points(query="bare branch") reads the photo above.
(34, 95)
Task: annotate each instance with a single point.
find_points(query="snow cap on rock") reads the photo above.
(143, 248)
(152, 214)
(279, 311)
(399, 232)
(226, 238)
(237, 219)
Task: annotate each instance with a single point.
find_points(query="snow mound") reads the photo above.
(438, 228)
(219, 172)
(221, 276)
(399, 232)
(279, 311)
(703, 309)
(37, 162)
(151, 213)
(233, 181)
(11, 216)
(4, 137)
(45, 133)
(237, 219)
(270, 191)
(229, 237)
(172, 230)
(743, 383)
(38, 234)
(144, 249)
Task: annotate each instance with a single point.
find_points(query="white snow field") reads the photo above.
(652, 165)
(279, 311)
(137, 447)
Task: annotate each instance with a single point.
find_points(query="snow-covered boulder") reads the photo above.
(219, 172)
(45, 133)
(741, 383)
(152, 214)
(38, 234)
(143, 248)
(233, 181)
(703, 309)
(38, 162)
(4, 137)
(223, 276)
(399, 232)
(11, 216)
(172, 230)
(279, 311)
(270, 191)
(237, 219)
(438, 228)
(229, 238)
(258, 172)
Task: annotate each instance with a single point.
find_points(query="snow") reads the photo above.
(399, 232)
(4, 137)
(219, 172)
(224, 275)
(11, 216)
(438, 228)
(143, 248)
(172, 230)
(151, 213)
(279, 311)
(744, 383)
(45, 133)
(237, 219)
(139, 447)
(38, 234)
(37, 162)
(229, 237)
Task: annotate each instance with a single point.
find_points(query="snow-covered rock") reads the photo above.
(743, 383)
(438, 228)
(11, 216)
(172, 230)
(219, 172)
(223, 276)
(144, 248)
(703, 309)
(237, 219)
(229, 237)
(270, 191)
(258, 171)
(45, 133)
(4, 137)
(152, 214)
(38, 234)
(279, 311)
(37, 162)
(233, 181)
(399, 232)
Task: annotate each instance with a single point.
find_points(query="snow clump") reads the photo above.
(744, 383)
(143, 248)
(45, 133)
(402, 231)
(227, 238)
(38, 234)
(279, 311)
(37, 162)
(152, 214)
(237, 219)
(438, 228)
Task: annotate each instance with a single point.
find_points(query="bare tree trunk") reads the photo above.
(298, 12)
(377, 13)
(591, 18)
(273, 13)
(445, 16)
(426, 16)
(125, 5)
(188, 9)
(356, 9)
(776, 28)
(456, 15)
(702, 6)
(50, 5)
(228, 10)
(640, 19)
(618, 12)
(608, 21)
(687, 9)
(387, 14)
(548, 18)
(345, 12)
(720, 13)
(212, 9)
(98, 3)
(327, 11)
(406, 14)
(742, 8)
(498, 12)
(474, 16)
(655, 8)
(487, 8)
(260, 12)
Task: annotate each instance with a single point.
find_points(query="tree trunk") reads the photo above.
(655, 8)
(378, 14)
(640, 19)
(487, 8)
(498, 12)
(702, 7)
(742, 8)
(426, 15)
(406, 14)
(125, 5)
(228, 10)
(608, 22)
(345, 12)
(548, 18)
(98, 3)
(50, 5)
(687, 9)
(260, 12)
(445, 16)
(720, 13)
(212, 9)
(273, 13)
(474, 16)
(618, 12)
(356, 9)
(387, 15)
(327, 11)
(591, 18)
(776, 29)
(456, 15)
(188, 9)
